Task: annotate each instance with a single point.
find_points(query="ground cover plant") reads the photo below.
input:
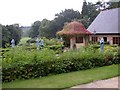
(19, 63)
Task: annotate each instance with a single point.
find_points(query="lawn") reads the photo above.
(66, 80)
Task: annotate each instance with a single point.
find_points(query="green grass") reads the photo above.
(66, 80)
(23, 40)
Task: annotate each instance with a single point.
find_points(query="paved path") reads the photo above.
(108, 83)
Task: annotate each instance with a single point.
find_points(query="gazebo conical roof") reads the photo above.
(74, 28)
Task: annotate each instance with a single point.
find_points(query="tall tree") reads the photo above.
(0, 35)
(14, 32)
(84, 9)
(34, 31)
(114, 4)
(102, 5)
(44, 28)
(65, 16)
(10, 32)
(5, 36)
(88, 13)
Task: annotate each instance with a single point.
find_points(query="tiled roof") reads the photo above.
(107, 21)
(73, 28)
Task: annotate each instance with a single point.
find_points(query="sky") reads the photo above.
(26, 12)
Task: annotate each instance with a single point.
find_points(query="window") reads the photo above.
(105, 39)
(79, 39)
(116, 40)
(94, 39)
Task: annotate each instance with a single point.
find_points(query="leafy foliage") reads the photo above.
(34, 31)
(114, 4)
(65, 16)
(22, 64)
(47, 28)
(10, 32)
(44, 28)
(88, 13)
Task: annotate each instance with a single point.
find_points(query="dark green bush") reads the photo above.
(31, 40)
(116, 58)
(57, 48)
(50, 42)
(23, 64)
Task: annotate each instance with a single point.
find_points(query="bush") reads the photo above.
(23, 64)
(31, 40)
(116, 58)
(51, 41)
(19, 63)
(57, 48)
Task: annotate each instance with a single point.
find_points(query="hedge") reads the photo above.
(22, 64)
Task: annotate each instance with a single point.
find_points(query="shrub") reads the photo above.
(54, 41)
(57, 48)
(19, 63)
(31, 40)
(23, 64)
(116, 58)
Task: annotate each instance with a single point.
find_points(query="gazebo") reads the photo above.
(75, 33)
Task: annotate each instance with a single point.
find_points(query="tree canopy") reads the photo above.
(88, 13)
(44, 28)
(47, 28)
(114, 4)
(10, 32)
(34, 31)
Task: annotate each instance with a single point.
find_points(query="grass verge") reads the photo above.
(66, 80)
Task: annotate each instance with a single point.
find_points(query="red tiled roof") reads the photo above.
(74, 28)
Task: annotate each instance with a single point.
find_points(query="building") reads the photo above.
(106, 25)
(75, 34)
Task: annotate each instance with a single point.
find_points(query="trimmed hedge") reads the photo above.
(22, 64)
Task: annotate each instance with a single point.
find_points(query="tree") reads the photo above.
(14, 32)
(65, 16)
(84, 9)
(102, 5)
(5, 36)
(88, 13)
(0, 35)
(114, 4)
(34, 31)
(10, 32)
(44, 28)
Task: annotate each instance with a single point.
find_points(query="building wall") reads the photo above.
(109, 38)
(78, 45)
